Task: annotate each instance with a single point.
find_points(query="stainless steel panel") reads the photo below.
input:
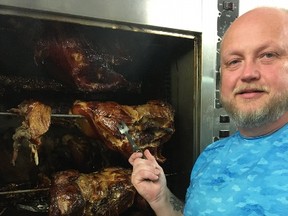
(208, 84)
(180, 14)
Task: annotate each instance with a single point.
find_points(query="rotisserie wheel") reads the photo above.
(74, 60)
(104, 193)
(37, 119)
(150, 124)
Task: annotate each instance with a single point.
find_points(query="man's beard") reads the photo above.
(270, 112)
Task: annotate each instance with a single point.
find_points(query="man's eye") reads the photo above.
(268, 55)
(232, 63)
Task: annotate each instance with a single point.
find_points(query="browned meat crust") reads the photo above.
(104, 193)
(73, 60)
(150, 124)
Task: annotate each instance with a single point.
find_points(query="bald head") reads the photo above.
(271, 17)
(255, 24)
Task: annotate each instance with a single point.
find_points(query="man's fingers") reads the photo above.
(148, 155)
(134, 156)
(145, 175)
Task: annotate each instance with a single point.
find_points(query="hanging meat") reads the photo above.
(37, 119)
(108, 192)
(73, 59)
(150, 125)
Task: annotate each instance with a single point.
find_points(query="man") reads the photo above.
(246, 173)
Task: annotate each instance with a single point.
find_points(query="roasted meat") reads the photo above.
(74, 60)
(37, 119)
(104, 193)
(150, 124)
(25, 169)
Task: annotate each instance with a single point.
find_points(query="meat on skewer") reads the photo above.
(150, 124)
(108, 192)
(74, 60)
(37, 119)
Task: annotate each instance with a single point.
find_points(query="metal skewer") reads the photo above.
(23, 191)
(52, 115)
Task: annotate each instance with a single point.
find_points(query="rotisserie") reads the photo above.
(150, 124)
(86, 61)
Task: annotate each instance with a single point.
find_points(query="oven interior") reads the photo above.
(166, 66)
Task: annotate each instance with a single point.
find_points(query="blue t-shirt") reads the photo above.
(239, 176)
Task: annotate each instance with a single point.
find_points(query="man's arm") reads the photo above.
(169, 205)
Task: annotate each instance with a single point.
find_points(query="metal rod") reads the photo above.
(23, 191)
(52, 115)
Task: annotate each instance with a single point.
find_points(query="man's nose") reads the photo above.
(250, 72)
